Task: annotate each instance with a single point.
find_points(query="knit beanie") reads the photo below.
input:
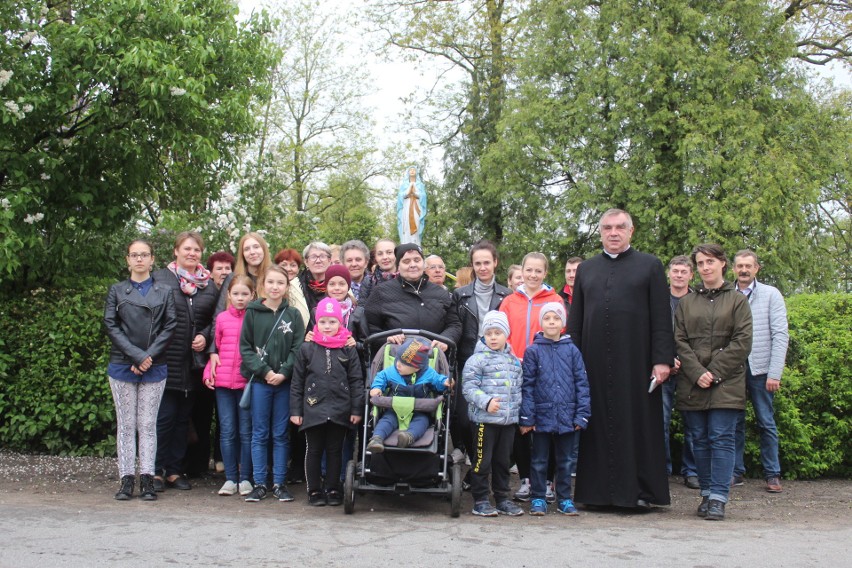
(329, 308)
(557, 307)
(494, 319)
(338, 270)
(414, 353)
(400, 251)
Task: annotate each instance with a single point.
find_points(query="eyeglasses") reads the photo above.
(318, 257)
(139, 255)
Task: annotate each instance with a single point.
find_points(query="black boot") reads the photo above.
(126, 490)
(146, 488)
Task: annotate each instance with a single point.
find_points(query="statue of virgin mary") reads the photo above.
(411, 207)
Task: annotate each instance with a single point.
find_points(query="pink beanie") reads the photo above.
(329, 308)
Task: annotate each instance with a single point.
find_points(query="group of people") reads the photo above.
(278, 344)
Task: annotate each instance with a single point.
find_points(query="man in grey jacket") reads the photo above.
(765, 365)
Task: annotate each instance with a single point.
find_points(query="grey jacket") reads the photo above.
(489, 374)
(770, 335)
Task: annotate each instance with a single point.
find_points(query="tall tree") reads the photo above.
(110, 107)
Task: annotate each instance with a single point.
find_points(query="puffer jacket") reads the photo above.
(422, 305)
(327, 385)
(556, 388)
(139, 326)
(229, 326)
(489, 374)
(713, 331)
(388, 378)
(194, 317)
(771, 336)
(264, 349)
(523, 312)
(469, 317)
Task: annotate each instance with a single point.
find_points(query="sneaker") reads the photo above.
(514, 469)
(404, 439)
(566, 507)
(280, 492)
(715, 511)
(538, 508)
(550, 495)
(257, 494)
(146, 487)
(523, 494)
(245, 487)
(376, 445)
(737, 481)
(773, 485)
(334, 498)
(317, 499)
(125, 492)
(229, 488)
(484, 509)
(702, 508)
(508, 508)
(691, 481)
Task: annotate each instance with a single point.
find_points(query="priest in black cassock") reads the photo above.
(621, 320)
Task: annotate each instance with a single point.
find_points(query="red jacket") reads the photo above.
(229, 325)
(522, 312)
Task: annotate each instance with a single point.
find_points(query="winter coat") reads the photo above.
(713, 330)
(139, 326)
(469, 317)
(389, 376)
(523, 312)
(398, 304)
(489, 374)
(327, 385)
(770, 335)
(194, 317)
(556, 388)
(281, 345)
(229, 326)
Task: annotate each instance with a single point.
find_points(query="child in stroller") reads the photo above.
(410, 376)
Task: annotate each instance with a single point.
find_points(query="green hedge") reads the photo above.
(56, 398)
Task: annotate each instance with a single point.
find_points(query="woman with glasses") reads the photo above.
(317, 257)
(140, 321)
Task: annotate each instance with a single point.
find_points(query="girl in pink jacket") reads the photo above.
(234, 422)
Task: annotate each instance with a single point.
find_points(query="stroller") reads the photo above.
(424, 467)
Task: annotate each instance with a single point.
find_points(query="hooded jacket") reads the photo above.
(490, 374)
(556, 388)
(229, 325)
(279, 354)
(327, 385)
(713, 331)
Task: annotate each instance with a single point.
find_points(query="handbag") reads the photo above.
(245, 400)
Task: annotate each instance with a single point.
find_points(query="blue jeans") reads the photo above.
(270, 406)
(234, 434)
(713, 444)
(389, 422)
(764, 415)
(563, 445)
(687, 460)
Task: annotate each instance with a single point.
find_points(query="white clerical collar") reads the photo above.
(615, 255)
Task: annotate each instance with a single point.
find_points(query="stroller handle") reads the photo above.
(382, 336)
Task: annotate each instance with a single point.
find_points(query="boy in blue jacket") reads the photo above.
(555, 405)
(412, 376)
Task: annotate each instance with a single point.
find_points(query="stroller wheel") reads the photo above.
(456, 491)
(349, 488)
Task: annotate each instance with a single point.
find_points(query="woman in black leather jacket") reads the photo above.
(140, 321)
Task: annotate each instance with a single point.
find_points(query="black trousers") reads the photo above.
(328, 439)
(492, 453)
(172, 427)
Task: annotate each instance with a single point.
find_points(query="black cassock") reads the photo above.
(621, 320)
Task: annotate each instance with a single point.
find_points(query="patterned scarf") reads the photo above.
(318, 287)
(346, 309)
(190, 282)
(380, 275)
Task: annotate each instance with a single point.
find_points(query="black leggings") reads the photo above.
(326, 438)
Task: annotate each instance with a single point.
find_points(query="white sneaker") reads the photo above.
(230, 488)
(245, 487)
(550, 496)
(523, 494)
(513, 470)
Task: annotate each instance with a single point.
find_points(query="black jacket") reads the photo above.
(139, 326)
(194, 316)
(469, 317)
(327, 386)
(398, 304)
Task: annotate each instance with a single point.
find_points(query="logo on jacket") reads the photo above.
(285, 327)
